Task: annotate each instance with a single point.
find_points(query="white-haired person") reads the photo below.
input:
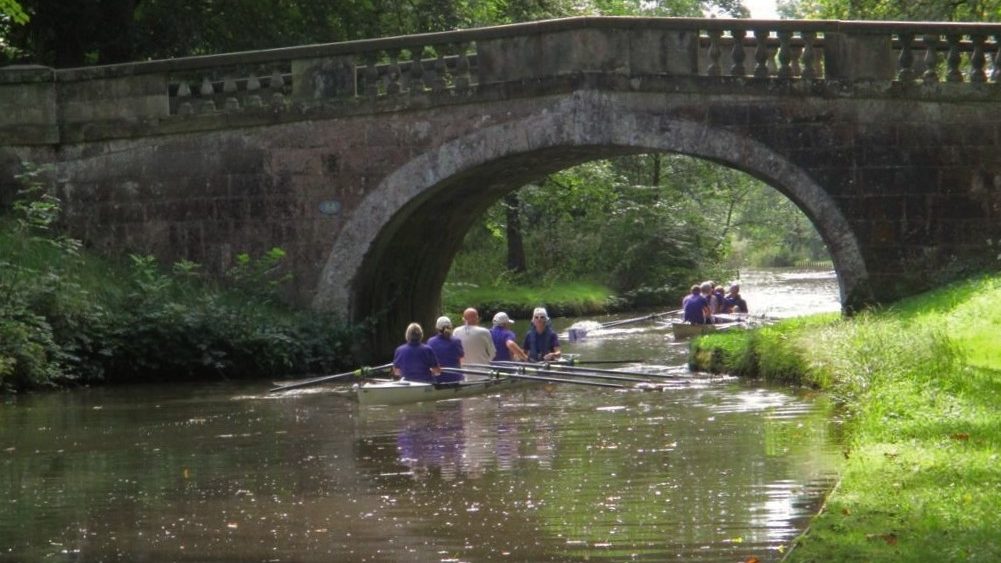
(414, 360)
(476, 341)
(448, 350)
(505, 341)
(541, 343)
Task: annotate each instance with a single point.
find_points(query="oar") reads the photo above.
(610, 324)
(573, 362)
(572, 369)
(360, 372)
(605, 374)
(534, 377)
(638, 319)
(578, 376)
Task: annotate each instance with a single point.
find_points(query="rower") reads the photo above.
(541, 343)
(414, 360)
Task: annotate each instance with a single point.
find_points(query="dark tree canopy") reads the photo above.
(64, 33)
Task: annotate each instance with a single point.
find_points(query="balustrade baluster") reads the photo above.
(784, 70)
(953, 59)
(416, 71)
(393, 73)
(714, 52)
(184, 106)
(206, 88)
(371, 75)
(440, 83)
(253, 87)
(737, 53)
(277, 86)
(905, 62)
(761, 53)
(809, 58)
(276, 82)
(228, 84)
(930, 75)
(207, 91)
(978, 60)
(996, 71)
(462, 78)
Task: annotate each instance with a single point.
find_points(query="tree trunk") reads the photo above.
(515, 244)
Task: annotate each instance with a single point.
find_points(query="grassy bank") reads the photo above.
(920, 384)
(560, 299)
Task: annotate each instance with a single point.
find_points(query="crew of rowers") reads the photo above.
(706, 302)
(472, 344)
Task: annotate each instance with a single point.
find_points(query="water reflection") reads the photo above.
(709, 469)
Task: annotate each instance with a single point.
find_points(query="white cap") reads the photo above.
(540, 312)
(443, 322)
(502, 319)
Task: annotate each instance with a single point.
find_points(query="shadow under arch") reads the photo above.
(393, 254)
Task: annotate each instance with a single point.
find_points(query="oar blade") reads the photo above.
(359, 373)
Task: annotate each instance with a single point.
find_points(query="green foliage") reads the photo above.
(12, 10)
(94, 31)
(647, 226)
(935, 10)
(65, 316)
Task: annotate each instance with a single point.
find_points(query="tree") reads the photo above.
(61, 33)
(515, 243)
(929, 10)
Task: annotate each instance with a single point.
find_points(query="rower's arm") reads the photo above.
(516, 351)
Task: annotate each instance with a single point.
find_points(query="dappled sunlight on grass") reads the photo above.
(562, 299)
(920, 383)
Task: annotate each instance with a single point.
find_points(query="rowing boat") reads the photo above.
(685, 330)
(389, 392)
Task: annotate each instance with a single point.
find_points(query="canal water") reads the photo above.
(708, 469)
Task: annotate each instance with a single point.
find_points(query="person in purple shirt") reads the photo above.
(695, 290)
(541, 343)
(696, 309)
(505, 340)
(448, 350)
(415, 361)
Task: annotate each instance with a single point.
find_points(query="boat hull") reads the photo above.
(402, 392)
(685, 330)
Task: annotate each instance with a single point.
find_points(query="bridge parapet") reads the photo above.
(46, 106)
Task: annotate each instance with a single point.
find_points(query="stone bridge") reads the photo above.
(367, 161)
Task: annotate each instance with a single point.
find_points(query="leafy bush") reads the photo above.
(66, 317)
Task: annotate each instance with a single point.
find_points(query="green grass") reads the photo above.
(920, 383)
(559, 298)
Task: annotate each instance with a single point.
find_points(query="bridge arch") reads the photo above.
(397, 246)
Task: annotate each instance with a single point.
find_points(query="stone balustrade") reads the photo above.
(53, 106)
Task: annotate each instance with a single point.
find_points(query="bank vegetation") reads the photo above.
(69, 317)
(920, 385)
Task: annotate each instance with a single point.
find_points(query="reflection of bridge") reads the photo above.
(368, 168)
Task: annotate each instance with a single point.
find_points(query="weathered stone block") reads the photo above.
(28, 106)
(323, 78)
(857, 56)
(128, 99)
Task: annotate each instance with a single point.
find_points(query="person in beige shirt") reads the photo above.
(476, 340)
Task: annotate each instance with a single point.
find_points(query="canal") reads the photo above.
(709, 469)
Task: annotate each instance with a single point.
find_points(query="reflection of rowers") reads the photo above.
(432, 440)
